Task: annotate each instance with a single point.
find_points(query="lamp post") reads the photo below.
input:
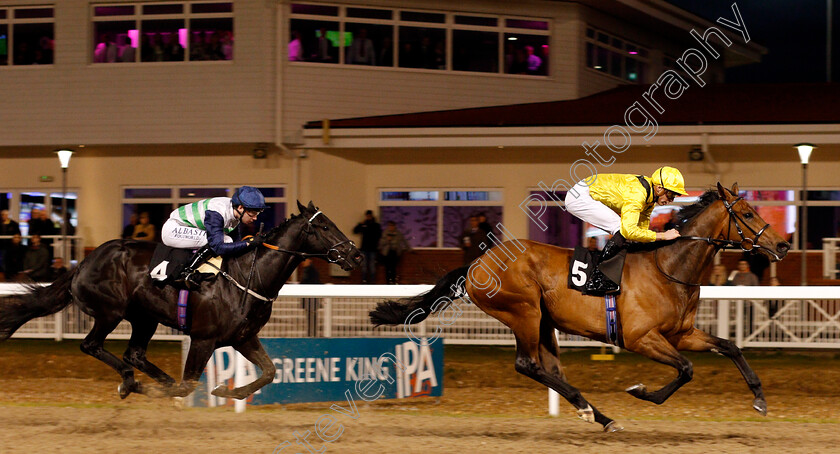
(64, 158)
(804, 150)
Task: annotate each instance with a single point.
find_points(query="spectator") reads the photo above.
(386, 53)
(371, 232)
(174, 51)
(471, 239)
(323, 48)
(197, 52)
(13, 258)
(392, 245)
(36, 262)
(128, 230)
(719, 275)
(483, 224)
(592, 245)
(144, 231)
(296, 47)
(57, 269)
(743, 276)
(7, 227)
(361, 51)
(214, 49)
(227, 45)
(758, 264)
(534, 62)
(40, 224)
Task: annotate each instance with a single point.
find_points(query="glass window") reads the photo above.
(33, 13)
(271, 192)
(527, 24)
(33, 44)
(125, 10)
(422, 47)
(161, 40)
(163, 33)
(4, 45)
(147, 193)
(413, 16)
(365, 41)
(563, 229)
(472, 195)
(319, 10)
(476, 20)
(418, 224)
(616, 57)
(198, 8)
(116, 42)
(456, 221)
(317, 41)
(409, 195)
(526, 54)
(210, 39)
(163, 9)
(475, 51)
(202, 193)
(368, 13)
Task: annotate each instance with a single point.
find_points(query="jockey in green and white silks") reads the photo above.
(211, 224)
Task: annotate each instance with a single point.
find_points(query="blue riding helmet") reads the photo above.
(249, 197)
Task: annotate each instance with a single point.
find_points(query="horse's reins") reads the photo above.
(329, 258)
(746, 244)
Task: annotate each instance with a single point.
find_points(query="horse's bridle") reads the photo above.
(333, 255)
(746, 244)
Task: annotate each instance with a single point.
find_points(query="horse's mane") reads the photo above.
(688, 213)
(283, 226)
(684, 217)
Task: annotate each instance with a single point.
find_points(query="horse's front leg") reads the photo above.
(199, 354)
(700, 341)
(654, 346)
(252, 349)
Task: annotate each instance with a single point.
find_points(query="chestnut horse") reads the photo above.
(113, 284)
(657, 305)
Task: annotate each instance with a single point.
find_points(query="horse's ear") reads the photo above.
(311, 206)
(301, 208)
(721, 191)
(734, 189)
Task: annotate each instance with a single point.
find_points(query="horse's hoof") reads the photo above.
(123, 390)
(221, 391)
(760, 406)
(613, 427)
(638, 390)
(586, 414)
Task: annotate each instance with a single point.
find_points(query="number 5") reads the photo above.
(578, 273)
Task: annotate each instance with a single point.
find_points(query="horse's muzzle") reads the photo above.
(782, 248)
(353, 260)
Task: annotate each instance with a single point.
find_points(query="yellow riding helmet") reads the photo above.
(670, 179)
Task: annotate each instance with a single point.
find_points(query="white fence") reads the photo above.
(778, 317)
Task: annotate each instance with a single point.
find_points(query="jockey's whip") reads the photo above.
(251, 273)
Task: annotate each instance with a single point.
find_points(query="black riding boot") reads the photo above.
(599, 283)
(189, 276)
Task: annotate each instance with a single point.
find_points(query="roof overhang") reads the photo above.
(563, 136)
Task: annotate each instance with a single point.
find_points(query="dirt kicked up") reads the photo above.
(55, 399)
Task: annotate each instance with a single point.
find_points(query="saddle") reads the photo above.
(583, 264)
(167, 263)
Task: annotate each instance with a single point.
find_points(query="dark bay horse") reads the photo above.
(113, 284)
(529, 293)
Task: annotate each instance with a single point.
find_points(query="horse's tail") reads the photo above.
(36, 302)
(397, 312)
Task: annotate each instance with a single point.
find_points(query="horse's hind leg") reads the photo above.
(530, 338)
(142, 331)
(550, 360)
(253, 351)
(654, 346)
(700, 341)
(93, 345)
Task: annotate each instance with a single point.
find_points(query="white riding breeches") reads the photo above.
(592, 211)
(180, 236)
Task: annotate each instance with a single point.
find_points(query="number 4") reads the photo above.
(159, 272)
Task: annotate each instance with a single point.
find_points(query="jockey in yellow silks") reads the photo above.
(621, 204)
